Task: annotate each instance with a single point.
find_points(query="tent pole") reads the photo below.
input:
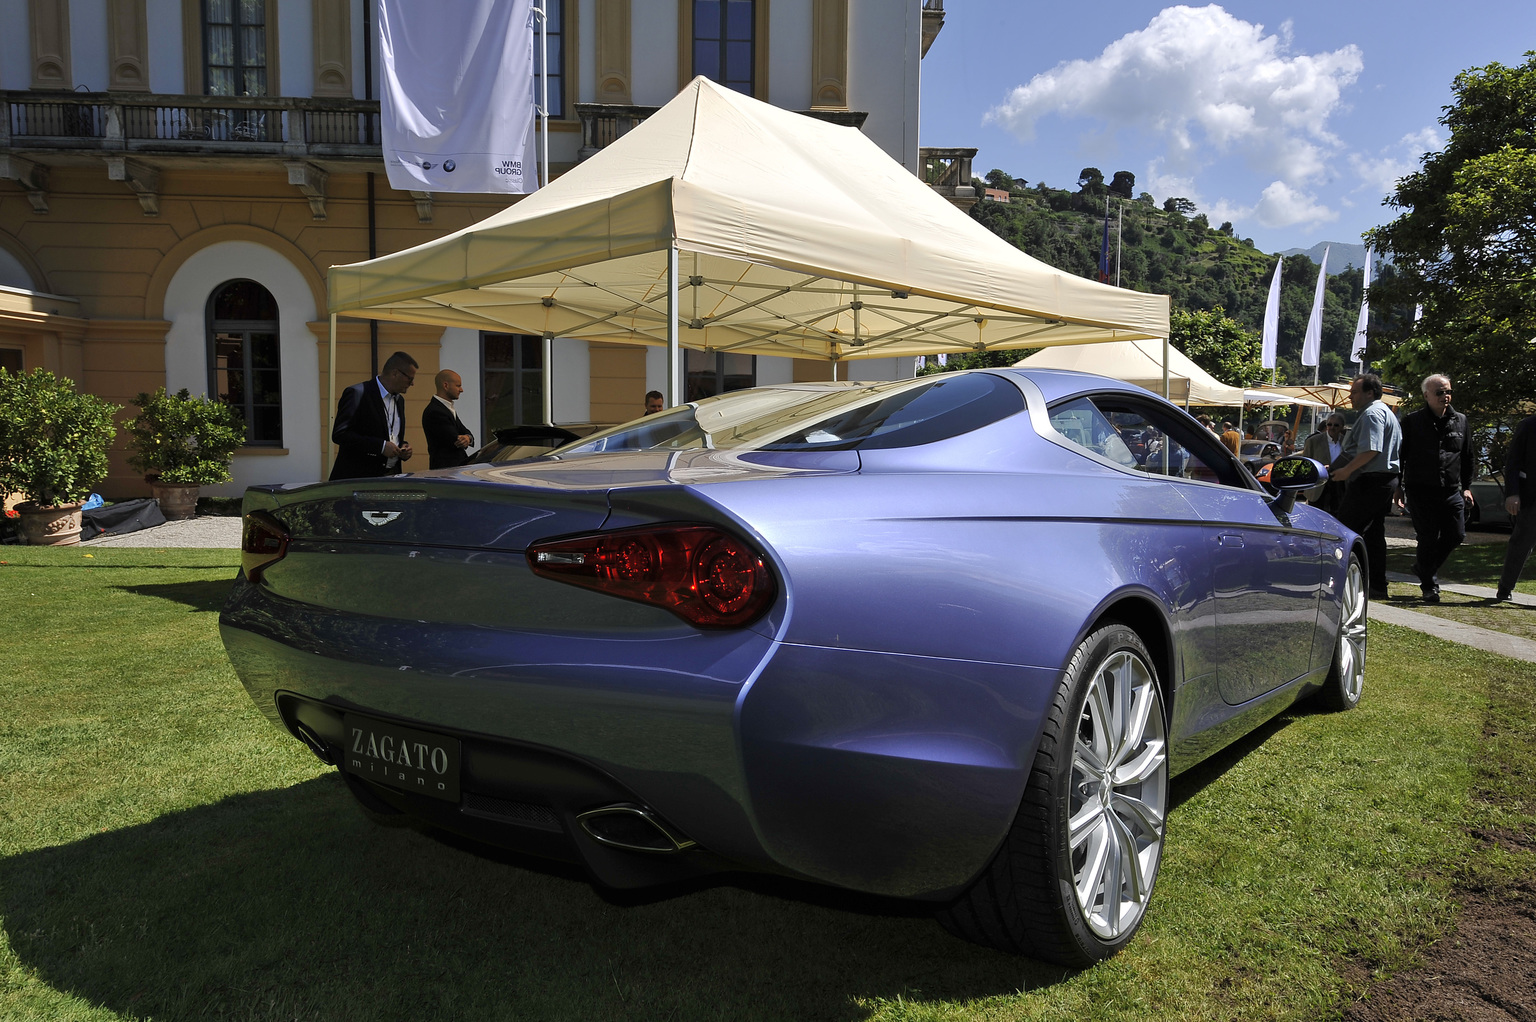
(548, 381)
(1165, 369)
(330, 385)
(674, 355)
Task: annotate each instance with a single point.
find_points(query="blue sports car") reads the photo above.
(945, 639)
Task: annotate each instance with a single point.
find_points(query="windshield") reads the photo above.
(820, 417)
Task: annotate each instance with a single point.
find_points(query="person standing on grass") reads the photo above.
(1324, 447)
(1519, 492)
(1437, 480)
(370, 423)
(1370, 474)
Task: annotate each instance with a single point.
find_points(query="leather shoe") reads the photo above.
(1431, 596)
(1502, 597)
(1379, 594)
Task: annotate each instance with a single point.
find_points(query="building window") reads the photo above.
(707, 373)
(10, 358)
(235, 47)
(723, 42)
(512, 380)
(556, 33)
(243, 367)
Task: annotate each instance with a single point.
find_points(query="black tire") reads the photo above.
(1027, 899)
(1346, 675)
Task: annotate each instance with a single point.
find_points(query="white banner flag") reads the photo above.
(1271, 333)
(1357, 349)
(456, 95)
(1312, 340)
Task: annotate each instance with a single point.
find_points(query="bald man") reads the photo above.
(448, 439)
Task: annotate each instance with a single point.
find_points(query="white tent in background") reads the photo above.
(1141, 363)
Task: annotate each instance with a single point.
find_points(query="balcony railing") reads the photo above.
(286, 126)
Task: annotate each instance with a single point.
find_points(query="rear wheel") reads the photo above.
(1074, 876)
(1346, 678)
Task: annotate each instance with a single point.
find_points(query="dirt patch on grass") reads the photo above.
(1485, 969)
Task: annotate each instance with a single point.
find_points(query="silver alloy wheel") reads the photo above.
(1118, 800)
(1351, 665)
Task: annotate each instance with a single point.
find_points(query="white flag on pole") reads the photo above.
(1357, 349)
(456, 94)
(1312, 340)
(1271, 333)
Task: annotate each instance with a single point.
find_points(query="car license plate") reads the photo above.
(402, 757)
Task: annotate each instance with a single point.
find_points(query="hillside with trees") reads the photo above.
(1172, 249)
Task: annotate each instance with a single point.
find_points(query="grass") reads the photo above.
(166, 853)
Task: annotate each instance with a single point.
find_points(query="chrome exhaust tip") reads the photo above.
(316, 744)
(633, 828)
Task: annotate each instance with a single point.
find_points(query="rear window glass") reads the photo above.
(845, 417)
(947, 407)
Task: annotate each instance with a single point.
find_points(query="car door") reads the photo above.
(1267, 574)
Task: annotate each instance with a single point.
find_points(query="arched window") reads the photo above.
(243, 366)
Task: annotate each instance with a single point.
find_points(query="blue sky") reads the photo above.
(1292, 119)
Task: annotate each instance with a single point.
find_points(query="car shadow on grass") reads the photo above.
(290, 903)
(208, 595)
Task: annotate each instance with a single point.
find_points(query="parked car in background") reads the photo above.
(1258, 453)
(944, 639)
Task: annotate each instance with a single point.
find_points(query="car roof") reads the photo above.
(1056, 384)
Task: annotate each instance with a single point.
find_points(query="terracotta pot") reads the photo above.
(177, 500)
(50, 526)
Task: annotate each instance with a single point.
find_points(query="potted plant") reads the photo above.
(181, 443)
(53, 449)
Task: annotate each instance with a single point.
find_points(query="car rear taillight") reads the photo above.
(703, 575)
(263, 541)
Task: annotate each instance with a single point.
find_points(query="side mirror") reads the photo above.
(1290, 476)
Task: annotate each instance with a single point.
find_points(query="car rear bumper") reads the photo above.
(891, 774)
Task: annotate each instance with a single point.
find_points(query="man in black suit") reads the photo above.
(370, 422)
(448, 439)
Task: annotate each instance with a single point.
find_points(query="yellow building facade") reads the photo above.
(177, 176)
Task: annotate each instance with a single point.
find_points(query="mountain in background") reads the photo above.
(1340, 254)
(1199, 266)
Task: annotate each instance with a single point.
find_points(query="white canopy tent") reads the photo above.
(726, 224)
(1141, 363)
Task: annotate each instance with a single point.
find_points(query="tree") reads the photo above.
(1124, 184)
(998, 179)
(1217, 344)
(1464, 248)
(1146, 198)
(1181, 206)
(1201, 221)
(1091, 181)
(1226, 228)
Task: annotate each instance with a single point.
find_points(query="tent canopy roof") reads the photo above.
(795, 237)
(1141, 363)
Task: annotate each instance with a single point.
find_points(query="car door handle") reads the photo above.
(1229, 539)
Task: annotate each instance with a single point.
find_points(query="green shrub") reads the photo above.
(184, 439)
(53, 440)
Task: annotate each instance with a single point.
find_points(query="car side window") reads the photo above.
(1146, 438)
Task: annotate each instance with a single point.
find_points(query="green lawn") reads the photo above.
(166, 853)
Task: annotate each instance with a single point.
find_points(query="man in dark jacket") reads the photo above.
(448, 439)
(370, 422)
(1437, 480)
(1519, 493)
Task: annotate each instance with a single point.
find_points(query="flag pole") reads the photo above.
(543, 16)
(1119, 227)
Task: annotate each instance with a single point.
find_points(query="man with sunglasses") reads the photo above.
(1324, 447)
(1437, 480)
(1369, 474)
(370, 423)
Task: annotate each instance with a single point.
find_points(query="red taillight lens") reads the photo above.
(703, 575)
(263, 540)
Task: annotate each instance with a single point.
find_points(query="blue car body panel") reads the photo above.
(876, 727)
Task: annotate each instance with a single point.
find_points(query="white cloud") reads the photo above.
(1280, 205)
(1207, 84)
(1379, 174)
